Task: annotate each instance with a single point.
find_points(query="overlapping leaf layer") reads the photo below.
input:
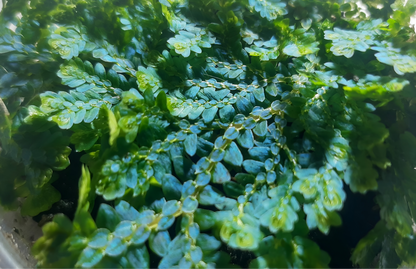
(209, 125)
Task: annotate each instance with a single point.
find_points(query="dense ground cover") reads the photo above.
(259, 133)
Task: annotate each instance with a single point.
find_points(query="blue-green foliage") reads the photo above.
(189, 38)
(208, 125)
(268, 50)
(389, 55)
(345, 42)
(269, 9)
(69, 43)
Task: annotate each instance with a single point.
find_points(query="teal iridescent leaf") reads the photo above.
(165, 222)
(196, 254)
(126, 211)
(190, 204)
(207, 242)
(159, 243)
(209, 114)
(346, 41)
(188, 188)
(124, 229)
(292, 50)
(115, 247)
(90, 257)
(100, 71)
(253, 167)
(209, 196)
(390, 55)
(272, 89)
(259, 94)
(191, 144)
(233, 155)
(99, 238)
(170, 207)
(235, 73)
(171, 259)
(141, 235)
(269, 9)
(138, 257)
(231, 133)
(261, 128)
(6, 48)
(203, 178)
(181, 242)
(260, 153)
(220, 174)
(98, 53)
(246, 139)
(193, 230)
(91, 115)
